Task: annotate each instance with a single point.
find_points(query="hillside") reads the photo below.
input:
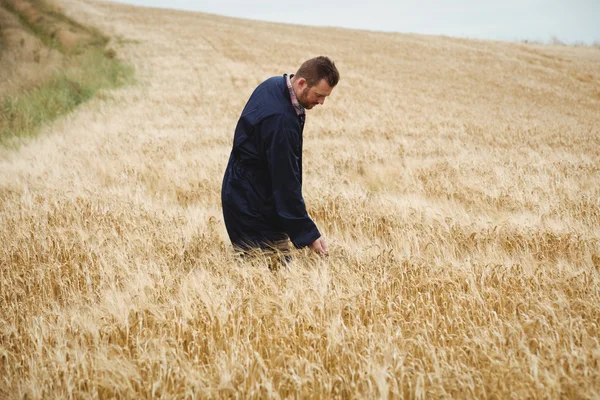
(24, 59)
(49, 64)
(456, 181)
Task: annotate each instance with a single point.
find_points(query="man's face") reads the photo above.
(315, 95)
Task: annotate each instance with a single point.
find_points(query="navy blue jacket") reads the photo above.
(262, 187)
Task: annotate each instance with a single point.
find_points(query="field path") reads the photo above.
(457, 181)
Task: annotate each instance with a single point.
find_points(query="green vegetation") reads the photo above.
(87, 68)
(22, 115)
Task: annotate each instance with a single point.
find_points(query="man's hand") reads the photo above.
(319, 246)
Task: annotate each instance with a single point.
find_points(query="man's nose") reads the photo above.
(322, 101)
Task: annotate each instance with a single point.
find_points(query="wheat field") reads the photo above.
(457, 183)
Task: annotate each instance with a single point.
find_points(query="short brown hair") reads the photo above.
(318, 68)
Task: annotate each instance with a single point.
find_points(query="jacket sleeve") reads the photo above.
(282, 148)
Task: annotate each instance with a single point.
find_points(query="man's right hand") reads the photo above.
(319, 246)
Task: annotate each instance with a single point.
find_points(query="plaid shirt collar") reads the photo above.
(297, 106)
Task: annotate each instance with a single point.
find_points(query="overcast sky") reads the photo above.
(569, 21)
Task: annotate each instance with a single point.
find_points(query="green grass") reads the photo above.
(90, 72)
(88, 68)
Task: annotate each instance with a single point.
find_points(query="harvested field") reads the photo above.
(24, 59)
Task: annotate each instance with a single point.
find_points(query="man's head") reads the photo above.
(314, 81)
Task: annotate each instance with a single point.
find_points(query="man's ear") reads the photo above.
(302, 83)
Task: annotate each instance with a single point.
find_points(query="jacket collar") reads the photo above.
(297, 106)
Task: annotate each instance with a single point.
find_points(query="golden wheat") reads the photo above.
(457, 183)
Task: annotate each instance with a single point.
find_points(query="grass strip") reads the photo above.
(86, 71)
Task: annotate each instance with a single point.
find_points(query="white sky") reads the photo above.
(569, 21)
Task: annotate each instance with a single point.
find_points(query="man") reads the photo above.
(262, 187)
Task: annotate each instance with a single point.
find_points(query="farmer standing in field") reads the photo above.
(262, 187)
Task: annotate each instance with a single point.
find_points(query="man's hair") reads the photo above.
(318, 68)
